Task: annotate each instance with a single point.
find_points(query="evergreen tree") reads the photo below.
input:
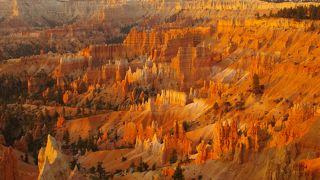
(66, 138)
(178, 174)
(174, 157)
(73, 164)
(154, 167)
(35, 156)
(256, 84)
(92, 170)
(216, 106)
(101, 171)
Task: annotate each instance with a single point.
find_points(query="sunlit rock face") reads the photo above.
(15, 11)
(72, 63)
(192, 64)
(164, 45)
(101, 54)
(51, 162)
(149, 142)
(162, 102)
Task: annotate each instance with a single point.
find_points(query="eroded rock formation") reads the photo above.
(51, 162)
(9, 165)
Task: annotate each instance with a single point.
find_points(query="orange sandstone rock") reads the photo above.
(60, 122)
(9, 165)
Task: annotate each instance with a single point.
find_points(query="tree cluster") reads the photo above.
(82, 145)
(281, 1)
(99, 172)
(257, 88)
(299, 13)
(178, 174)
(15, 122)
(12, 88)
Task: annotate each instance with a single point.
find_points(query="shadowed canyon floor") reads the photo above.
(153, 89)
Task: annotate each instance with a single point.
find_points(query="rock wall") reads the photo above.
(9, 165)
(192, 64)
(162, 102)
(72, 63)
(144, 76)
(101, 54)
(163, 45)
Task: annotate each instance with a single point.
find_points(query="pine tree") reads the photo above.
(66, 138)
(256, 84)
(101, 171)
(216, 106)
(178, 174)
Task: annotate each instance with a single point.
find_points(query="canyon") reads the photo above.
(140, 89)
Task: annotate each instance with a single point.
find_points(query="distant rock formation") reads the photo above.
(162, 101)
(60, 122)
(162, 46)
(102, 53)
(72, 63)
(192, 63)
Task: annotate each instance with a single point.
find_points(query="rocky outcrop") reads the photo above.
(162, 46)
(121, 69)
(60, 122)
(51, 162)
(143, 76)
(101, 54)
(163, 101)
(298, 114)
(232, 143)
(152, 146)
(171, 97)
(192, 64)
(108, 71)
(72, 63)
(130, 133)
(136, 133)
(203, 152)
(225, 140)
(176, 144)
